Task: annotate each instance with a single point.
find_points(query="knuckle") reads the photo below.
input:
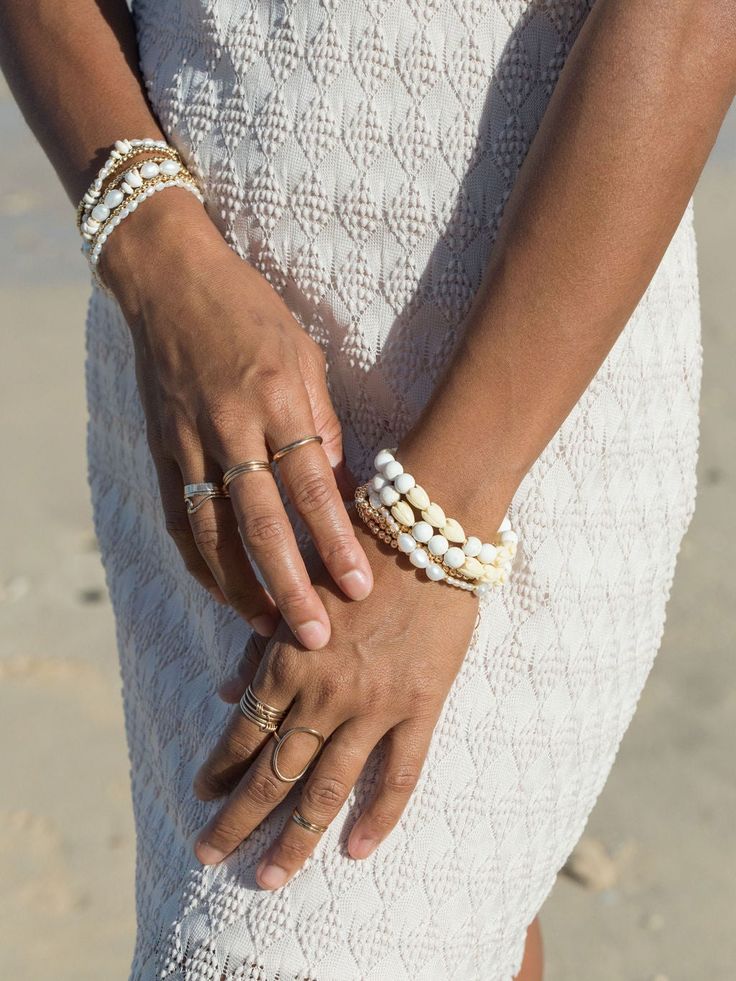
(325, 794)
(312, 494)
(271, 382)
(340, 547)
(264, 528)
(328, 691)
(293, 851)
(294, 597)
(264, 790)
(283, 667)
(226, 832)
(178, 529)
(401, 778)
(381, 822)
(239, 598)
(207, 536)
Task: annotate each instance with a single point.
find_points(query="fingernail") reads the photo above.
(355, 583)
(271, 876)
(263, 624)
(208, 855)
(312, 633)
(363, 847)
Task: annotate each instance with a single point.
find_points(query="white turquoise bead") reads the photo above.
(378, 481)
(487, 552)
(404, 482)
(388, 495)
(435, 572)
(422, 531)
(382, 458)
(149, 169)
(392, 469)
(472, 546)
(454, 557)
(438, 545)
(509, 537)
(419, 558)
(406, 543)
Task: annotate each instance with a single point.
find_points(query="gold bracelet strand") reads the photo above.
(123, 165)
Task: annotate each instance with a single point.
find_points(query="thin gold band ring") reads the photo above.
(293, 446)
(318, 829)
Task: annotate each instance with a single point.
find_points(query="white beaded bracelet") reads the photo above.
(122, 150)
(433, 542)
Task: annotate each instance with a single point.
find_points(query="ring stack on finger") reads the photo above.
(389, 503)
(266, 717)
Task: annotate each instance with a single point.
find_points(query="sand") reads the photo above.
(650, 893)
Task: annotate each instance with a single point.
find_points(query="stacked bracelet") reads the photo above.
(121, 185)
(388, 504)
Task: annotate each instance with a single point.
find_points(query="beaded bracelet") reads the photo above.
(433, 542)
(122, 151)
(121, 190)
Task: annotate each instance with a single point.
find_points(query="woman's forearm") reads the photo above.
(598, 198)
(73, 69)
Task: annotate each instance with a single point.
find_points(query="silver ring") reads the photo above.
(206, 490)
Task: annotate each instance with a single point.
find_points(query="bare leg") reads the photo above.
(532, 967)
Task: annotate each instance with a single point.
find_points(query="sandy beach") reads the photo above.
(650, 893)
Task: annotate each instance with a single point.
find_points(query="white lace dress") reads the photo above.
(359, 153)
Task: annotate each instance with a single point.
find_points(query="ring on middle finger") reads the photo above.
(248, 467)
(266, 717)
(281, 739)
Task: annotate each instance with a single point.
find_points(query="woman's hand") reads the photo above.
(225, 374)
(384, 674)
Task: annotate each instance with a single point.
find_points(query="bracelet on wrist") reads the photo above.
(124, 181)
(400, 513)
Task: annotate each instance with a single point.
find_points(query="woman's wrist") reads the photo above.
(167, 236)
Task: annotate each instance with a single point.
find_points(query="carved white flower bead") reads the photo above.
(418, 497)
(402, 512)
(434, 515)
(453, 531)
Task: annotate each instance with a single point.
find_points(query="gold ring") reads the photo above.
(248, 467)
(292, 446)
(281, 739)
(318, 829)
(266, 717)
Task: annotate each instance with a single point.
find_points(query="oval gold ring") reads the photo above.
(281, 739)
(293, 446)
